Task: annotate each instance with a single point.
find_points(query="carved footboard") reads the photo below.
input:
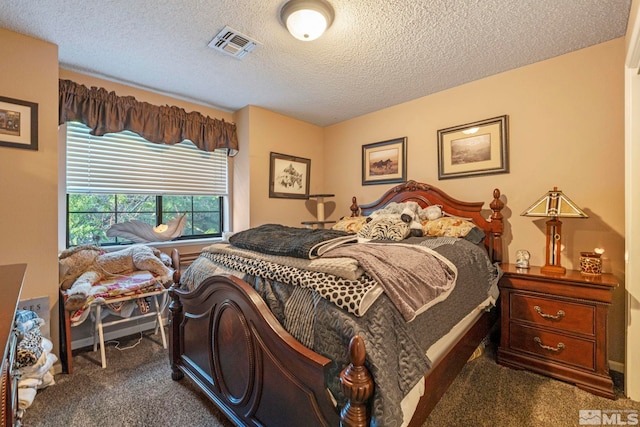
(224, 338)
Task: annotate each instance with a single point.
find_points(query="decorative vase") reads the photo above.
(590, 263)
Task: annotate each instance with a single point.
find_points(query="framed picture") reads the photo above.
(474, 149)
(289, 177)
(384, 162)
(18, 123)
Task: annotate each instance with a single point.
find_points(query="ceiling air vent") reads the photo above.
(233, 42)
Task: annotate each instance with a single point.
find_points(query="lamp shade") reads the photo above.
(555, 204)
(307, 19)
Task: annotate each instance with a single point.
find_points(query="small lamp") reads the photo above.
(307, 20)
(554, 204)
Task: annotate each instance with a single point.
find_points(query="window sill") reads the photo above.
(172, 243)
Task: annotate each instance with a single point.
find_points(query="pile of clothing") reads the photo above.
(34, 359)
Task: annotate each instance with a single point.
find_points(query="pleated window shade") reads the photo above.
(124, 162)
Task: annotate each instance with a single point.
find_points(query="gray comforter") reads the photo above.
(396, 350)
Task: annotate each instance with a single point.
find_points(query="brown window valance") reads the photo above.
(105, 112)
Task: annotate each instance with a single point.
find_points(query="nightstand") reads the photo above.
(556, 325)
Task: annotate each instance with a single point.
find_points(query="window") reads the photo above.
(121, 177)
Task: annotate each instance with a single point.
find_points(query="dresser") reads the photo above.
(556, 325)
(11, 278)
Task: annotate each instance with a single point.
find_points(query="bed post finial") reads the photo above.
(357, 385)
(496, 206)
(355, 209)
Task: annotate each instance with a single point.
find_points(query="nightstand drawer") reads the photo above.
(556, 347)
(563, 315)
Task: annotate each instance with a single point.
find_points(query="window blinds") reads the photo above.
(126, 163)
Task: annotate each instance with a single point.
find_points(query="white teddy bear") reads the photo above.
(432, 212)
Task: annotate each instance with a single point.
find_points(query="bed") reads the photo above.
(226, 335)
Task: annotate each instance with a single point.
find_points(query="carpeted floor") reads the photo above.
(136, 390)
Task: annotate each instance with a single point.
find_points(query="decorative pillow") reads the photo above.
(447, 227)
(350, 224)
(385, 227)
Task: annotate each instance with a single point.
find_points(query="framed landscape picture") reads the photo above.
(384, 162)
(474, 149)
(18, 123)
(289, 177)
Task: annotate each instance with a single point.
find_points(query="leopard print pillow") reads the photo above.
(385, 227)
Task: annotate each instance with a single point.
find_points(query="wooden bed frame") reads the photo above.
(226, 340)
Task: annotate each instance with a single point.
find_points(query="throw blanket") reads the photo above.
(417, 278)
(347, 268)
(276, 239)
(355, 296)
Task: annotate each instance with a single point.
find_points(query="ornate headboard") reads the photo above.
(427, 195)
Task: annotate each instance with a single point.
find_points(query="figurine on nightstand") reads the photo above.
(522, 258)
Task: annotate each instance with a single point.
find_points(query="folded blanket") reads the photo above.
(355, 296)
(417, 279)
(40, 369)
(37, 383)
(276, 239)
(347, 268)
(28, 383)
(24, 316)
(47, 380)
(137, 282)
(25, 397)
(29, 348)
(47, 345)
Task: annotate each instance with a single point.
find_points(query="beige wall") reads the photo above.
(29, 216)
(566, 119)
(265, 131)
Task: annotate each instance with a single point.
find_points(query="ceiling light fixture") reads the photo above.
(306, 19)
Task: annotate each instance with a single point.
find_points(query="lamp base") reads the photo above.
(553, 269)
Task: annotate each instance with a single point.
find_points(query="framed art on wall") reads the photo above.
(474, 149)
(384, 162)
(18, 123)
(289, 177)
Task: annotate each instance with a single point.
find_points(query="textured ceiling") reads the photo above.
(377, 53)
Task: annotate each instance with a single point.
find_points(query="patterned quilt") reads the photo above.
(137, 282)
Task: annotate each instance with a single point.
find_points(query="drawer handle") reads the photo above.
(558, 316)
(548, 347)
